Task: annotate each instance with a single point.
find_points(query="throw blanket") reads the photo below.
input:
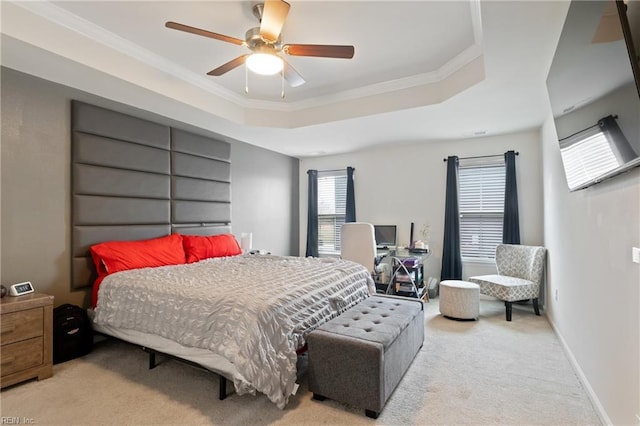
(253, 310)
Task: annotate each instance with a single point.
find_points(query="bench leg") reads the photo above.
(508, 306)
(536, 308)
(371, 414)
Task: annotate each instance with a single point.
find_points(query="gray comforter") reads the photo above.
(253, 310)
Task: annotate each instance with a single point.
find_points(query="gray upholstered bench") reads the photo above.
(360, 357)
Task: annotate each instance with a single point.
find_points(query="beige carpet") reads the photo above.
(485, 372)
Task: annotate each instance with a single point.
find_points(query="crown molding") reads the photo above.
(68, 20)
(455, 64)
(390, 86)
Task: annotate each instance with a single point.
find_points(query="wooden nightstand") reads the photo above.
(27, 337)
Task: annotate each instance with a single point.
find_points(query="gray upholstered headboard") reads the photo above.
(134, 179)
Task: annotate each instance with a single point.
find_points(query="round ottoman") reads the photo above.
(459, 299)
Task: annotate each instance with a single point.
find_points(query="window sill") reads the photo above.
(479, 261)
(329, 254)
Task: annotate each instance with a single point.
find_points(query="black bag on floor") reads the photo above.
(72, 333)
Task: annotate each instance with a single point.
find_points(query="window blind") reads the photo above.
(332, 202)
(586, 157)
(481, 205)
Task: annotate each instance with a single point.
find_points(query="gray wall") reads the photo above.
(265, 193)
(35, 186)
(594, 287)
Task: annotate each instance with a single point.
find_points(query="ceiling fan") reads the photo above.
(266, 45)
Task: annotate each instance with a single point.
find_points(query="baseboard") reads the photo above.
(604, 418)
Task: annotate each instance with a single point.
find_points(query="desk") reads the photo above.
(401, 273)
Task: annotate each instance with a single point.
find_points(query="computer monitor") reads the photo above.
(385, 235)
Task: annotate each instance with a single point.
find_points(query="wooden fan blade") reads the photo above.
(234, 63)
(319, 50)
(273, 16)
(292, 76)
(204, 33)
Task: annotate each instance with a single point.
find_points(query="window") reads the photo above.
(481, 203)
(586, 157)
(332, 202)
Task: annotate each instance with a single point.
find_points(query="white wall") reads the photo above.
(589, 235)
(400, 184)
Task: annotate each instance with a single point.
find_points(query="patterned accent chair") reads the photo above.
(520, 270)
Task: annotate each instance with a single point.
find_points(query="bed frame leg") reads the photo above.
(152, 357)
(152, 360)
(222, 391)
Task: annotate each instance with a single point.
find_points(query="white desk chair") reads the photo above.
(358, 244)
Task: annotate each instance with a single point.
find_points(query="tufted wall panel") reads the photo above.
(135, 179)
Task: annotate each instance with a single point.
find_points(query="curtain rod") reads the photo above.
(335, 170)
(479, 156)
(586, 128)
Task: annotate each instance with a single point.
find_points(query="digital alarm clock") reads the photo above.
(20, 289)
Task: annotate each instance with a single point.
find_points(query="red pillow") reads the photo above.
(115, 256)
(199, 248)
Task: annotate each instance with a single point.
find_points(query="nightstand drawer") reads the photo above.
(26, 323)
(22, 355)
(18, 326)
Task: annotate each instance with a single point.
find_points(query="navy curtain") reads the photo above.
(350, 213)
(511, 223)
(312, 214)
(451, 257)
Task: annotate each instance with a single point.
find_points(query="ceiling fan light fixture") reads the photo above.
(264, 63)
(266, 45)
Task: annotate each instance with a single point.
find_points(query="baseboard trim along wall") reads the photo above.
(581, 376)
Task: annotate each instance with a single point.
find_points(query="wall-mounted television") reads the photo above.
(385, 235)
(594, 90)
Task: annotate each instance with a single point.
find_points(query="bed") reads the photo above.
(243, 317)
(146, 190)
